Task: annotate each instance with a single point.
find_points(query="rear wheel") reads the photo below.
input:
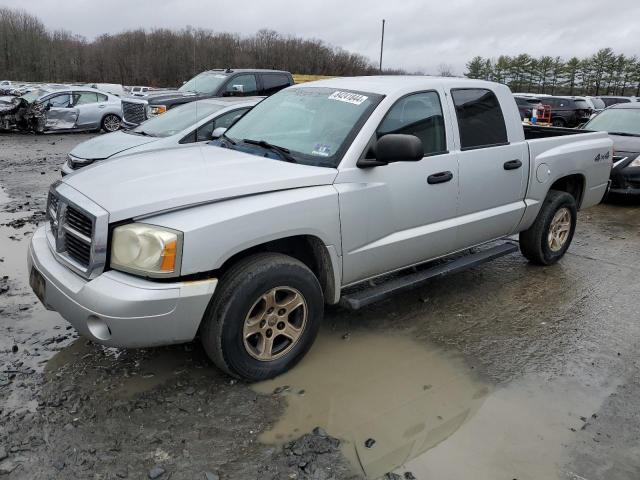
(110, 123)
(264, 316)
(548, 239)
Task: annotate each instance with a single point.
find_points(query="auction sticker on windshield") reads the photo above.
(348, 97)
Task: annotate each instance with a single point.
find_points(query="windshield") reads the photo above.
(34, 95)
(176, 119)
(206, 83)
(313, 123)
(617, 120)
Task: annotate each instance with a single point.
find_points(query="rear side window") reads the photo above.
(102, 98)
(419, 114)
(84, 98)
(480, 120)
(274, 82)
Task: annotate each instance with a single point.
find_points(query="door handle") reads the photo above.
(440, 177)
(512, 165)
(101, 106)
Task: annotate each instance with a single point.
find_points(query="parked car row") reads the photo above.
(47, 107)
(567, 111)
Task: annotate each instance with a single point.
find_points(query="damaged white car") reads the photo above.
(62, 109)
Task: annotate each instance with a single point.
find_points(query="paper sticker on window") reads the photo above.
(348, 97)
(321, 150)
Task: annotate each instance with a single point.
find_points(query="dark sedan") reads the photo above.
(622, 122)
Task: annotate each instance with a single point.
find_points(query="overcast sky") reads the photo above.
(420, 34)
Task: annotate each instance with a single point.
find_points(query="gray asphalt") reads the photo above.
(506, 371)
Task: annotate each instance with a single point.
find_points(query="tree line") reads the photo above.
(603, 73)
(159, 57)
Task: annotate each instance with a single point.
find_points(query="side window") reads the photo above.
(242, 85)
(419, 114)
(204, 132)
(480, 119)
(102, 97)
(274, 82)
(84, 98)
(60, 101)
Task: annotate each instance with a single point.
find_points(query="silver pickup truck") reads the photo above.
(338, 191)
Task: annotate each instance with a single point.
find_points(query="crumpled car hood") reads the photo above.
(105, 146)
(139, 185)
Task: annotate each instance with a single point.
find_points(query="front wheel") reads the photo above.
(548, 239)
(111, 123)
(264, 316)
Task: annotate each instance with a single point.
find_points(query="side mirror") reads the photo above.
(218, 132)
(395, 147)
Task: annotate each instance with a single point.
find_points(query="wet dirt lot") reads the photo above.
(507, 371)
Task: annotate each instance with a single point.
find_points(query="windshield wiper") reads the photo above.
(285, 153)
(624, 134)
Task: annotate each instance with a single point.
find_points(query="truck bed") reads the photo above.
(533, 132)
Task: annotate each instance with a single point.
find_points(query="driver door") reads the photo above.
(59, 112)
(400, 214)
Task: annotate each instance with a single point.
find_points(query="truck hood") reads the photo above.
(105, 146)
(152, 182)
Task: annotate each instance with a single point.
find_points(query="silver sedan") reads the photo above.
(181, 126)
(63, 108)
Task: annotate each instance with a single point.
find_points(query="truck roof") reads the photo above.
(240, 70)
(388, 84)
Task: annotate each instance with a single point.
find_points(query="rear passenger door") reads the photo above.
(88, 109)
(493, 172)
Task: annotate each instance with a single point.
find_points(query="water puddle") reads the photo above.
(524, 430)
(388, 398)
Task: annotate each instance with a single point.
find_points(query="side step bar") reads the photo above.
(367, 296)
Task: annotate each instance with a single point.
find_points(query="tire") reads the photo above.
(110, 123)
(558, 214)
(558, 122)
(251, 297)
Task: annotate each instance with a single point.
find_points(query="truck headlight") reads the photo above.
(146, 250)
(153, 110)
(635, 162)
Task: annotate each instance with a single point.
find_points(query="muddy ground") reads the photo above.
(508, 371)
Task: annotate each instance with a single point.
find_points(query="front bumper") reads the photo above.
(625, 180)
(117, 309)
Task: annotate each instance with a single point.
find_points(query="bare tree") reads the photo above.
(445, 70)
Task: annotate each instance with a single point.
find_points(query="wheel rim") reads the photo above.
(559, 229)
(275, 323)
(111, 123)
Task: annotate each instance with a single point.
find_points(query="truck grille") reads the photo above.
(78, 230)
(134, 112)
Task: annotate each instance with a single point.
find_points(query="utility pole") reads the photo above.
(381, 45)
